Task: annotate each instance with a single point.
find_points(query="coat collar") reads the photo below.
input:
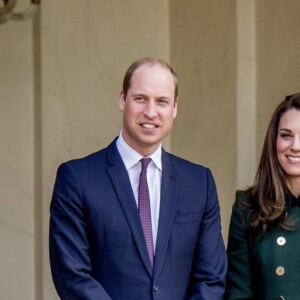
(291, 200)
(168, 201)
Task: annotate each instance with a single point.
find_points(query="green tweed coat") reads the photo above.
(265, 268)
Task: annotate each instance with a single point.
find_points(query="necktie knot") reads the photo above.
(145, 162)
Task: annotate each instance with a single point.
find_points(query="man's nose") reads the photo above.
(150, 110)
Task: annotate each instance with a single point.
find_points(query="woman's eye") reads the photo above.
(285, 135)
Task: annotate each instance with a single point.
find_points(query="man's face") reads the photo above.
(149, 108)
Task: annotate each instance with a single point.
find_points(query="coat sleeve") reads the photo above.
(239, 279)
(68, 242)
(210, 263)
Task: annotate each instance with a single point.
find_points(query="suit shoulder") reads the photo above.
(182, 162)
(86, 160)
(95, 158)
(189, 172)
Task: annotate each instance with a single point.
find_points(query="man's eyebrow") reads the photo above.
(139, 94)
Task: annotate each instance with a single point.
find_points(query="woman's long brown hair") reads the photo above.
(268, 194)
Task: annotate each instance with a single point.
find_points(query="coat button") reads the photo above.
(280, 298)
(155, 288)
(281, 241)
(280, 271)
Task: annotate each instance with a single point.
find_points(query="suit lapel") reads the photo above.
(167, 211)
(119, 177)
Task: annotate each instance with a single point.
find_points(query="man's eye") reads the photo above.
(163, 101)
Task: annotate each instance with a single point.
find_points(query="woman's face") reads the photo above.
(288, 145)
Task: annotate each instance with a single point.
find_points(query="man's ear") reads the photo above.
(122, 101)
(175, 108)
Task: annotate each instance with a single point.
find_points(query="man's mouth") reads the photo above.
(148, 126)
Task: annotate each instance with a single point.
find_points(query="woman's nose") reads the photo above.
(296, 144)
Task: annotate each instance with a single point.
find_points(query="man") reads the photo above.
(108, 240)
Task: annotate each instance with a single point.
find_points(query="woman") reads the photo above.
(264, 233)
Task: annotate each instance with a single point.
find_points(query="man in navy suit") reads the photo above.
(99, 248)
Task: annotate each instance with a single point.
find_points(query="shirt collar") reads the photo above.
(130, 157)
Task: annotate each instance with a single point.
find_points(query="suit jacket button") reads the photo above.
(280, 298)
(155, 288)
(280, 271)
(281, 241)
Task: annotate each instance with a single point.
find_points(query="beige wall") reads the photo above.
(16, 162)
(278, 59)
(60, 78)
(203, 51)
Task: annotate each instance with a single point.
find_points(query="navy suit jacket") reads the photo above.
(97, 246)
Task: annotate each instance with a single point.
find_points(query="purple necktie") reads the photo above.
(144, 208)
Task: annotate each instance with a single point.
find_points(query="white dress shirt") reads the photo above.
(131, 159)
